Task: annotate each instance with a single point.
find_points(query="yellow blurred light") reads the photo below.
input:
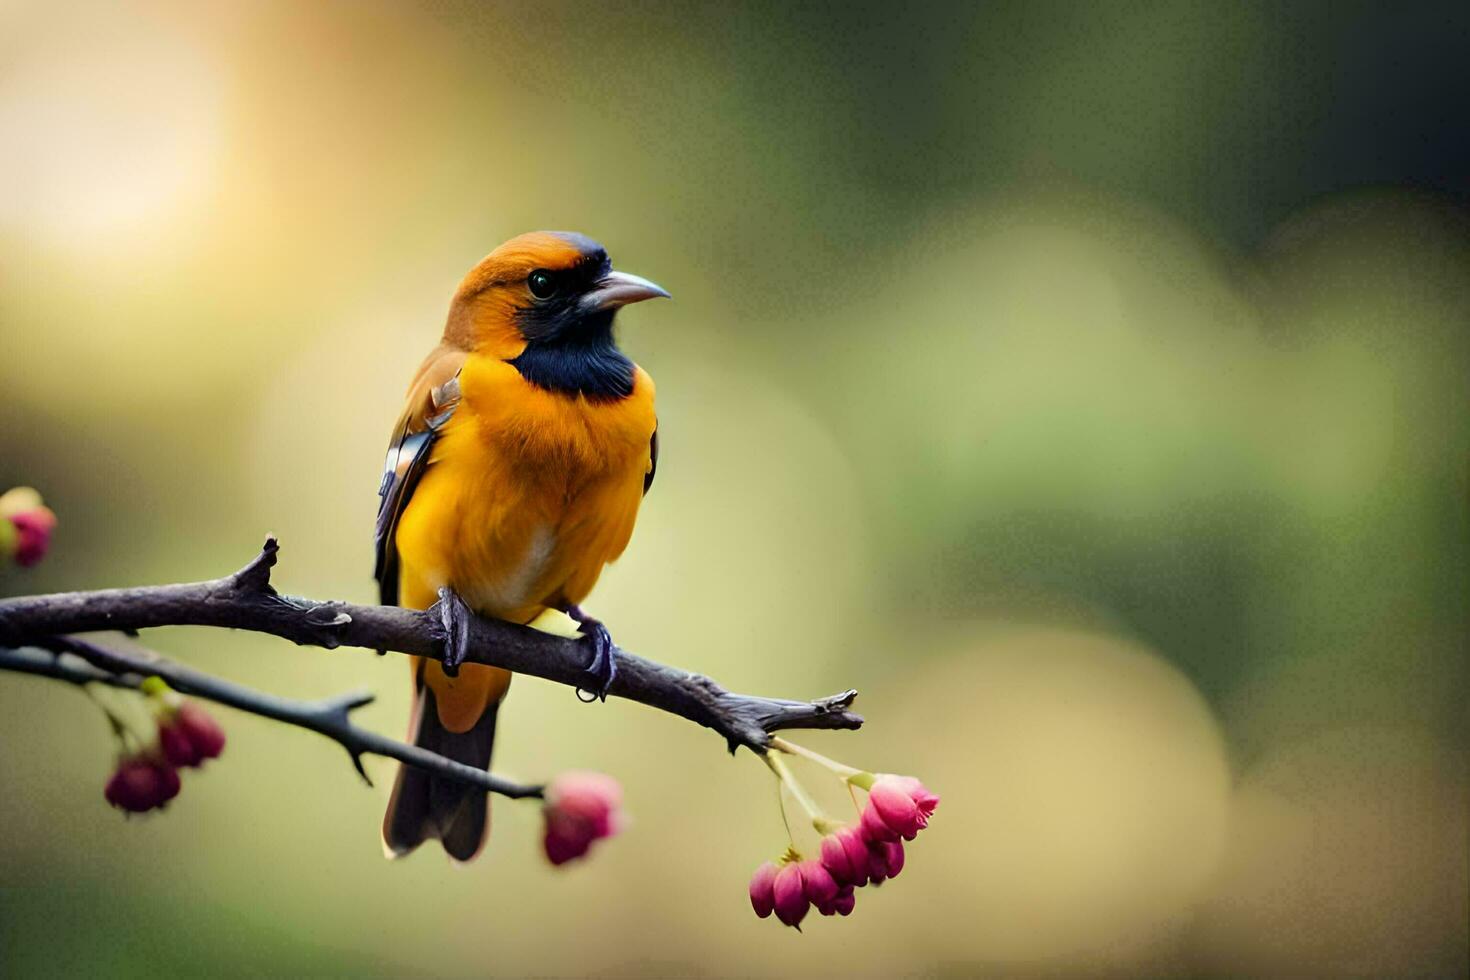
(111, 127)
(1086, 790)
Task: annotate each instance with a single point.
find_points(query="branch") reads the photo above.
(81, 661)
(246, 600)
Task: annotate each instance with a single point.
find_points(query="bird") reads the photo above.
(513, 476)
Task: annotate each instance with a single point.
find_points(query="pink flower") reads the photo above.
(818, 884)
(842, 904)
(189, 735)
(141, 783)
(763, 890)
(872, 827)
(885, 860)
(789, 894)
(581, 807)
(204, 733)
(898, 806)
(32, 522)
(177, 748)
(845, 856)
(33, 535)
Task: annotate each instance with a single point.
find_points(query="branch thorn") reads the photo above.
(357, 764)
(256, 576)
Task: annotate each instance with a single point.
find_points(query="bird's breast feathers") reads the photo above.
(530, 492)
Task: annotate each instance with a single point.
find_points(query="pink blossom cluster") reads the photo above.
(852, 857)
(149, 779)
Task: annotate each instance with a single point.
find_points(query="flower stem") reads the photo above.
(778, 766)
(791, 748)
(786, 822)
(120, 728)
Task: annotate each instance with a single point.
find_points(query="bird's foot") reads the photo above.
(603, 667)
(455, 617)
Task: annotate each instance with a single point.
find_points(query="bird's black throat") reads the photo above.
(580, 361)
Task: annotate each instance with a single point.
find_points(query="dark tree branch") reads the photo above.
(89, 660)
(62, 667)
(246, 600)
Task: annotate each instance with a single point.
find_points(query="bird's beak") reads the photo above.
(619, 289)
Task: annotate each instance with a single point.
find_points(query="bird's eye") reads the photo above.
(542, 283)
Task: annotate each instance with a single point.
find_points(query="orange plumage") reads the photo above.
(515, 475)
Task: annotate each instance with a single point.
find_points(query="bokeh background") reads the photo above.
(1087, 384)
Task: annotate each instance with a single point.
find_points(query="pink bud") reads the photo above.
(924, 800)
(845, 855)
(872, 826)
(581, 807)
(763, 889)
(204, 733)
(817, 882)
(140, 783)
(844, 902)
(877, 863)
(168, 779)
(32, 534)
(129, 790)
(563, 844)
(894, 856)
(177, 748)
(899, 803)
(927, 801)
(789, 892)
(885, 860)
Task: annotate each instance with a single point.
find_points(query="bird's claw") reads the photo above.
(603, 667)
(455, 617)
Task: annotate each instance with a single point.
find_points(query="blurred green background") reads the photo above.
(1087, 384)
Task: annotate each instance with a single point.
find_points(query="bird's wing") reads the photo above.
(432, 399)
(652, 460)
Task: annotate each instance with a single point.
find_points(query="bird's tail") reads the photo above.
(423, 805)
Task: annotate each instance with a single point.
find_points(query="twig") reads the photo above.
(246, 600)
(89, 660)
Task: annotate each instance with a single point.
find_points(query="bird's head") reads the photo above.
(544, 290)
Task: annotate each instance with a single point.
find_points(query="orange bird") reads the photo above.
(514, 475)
